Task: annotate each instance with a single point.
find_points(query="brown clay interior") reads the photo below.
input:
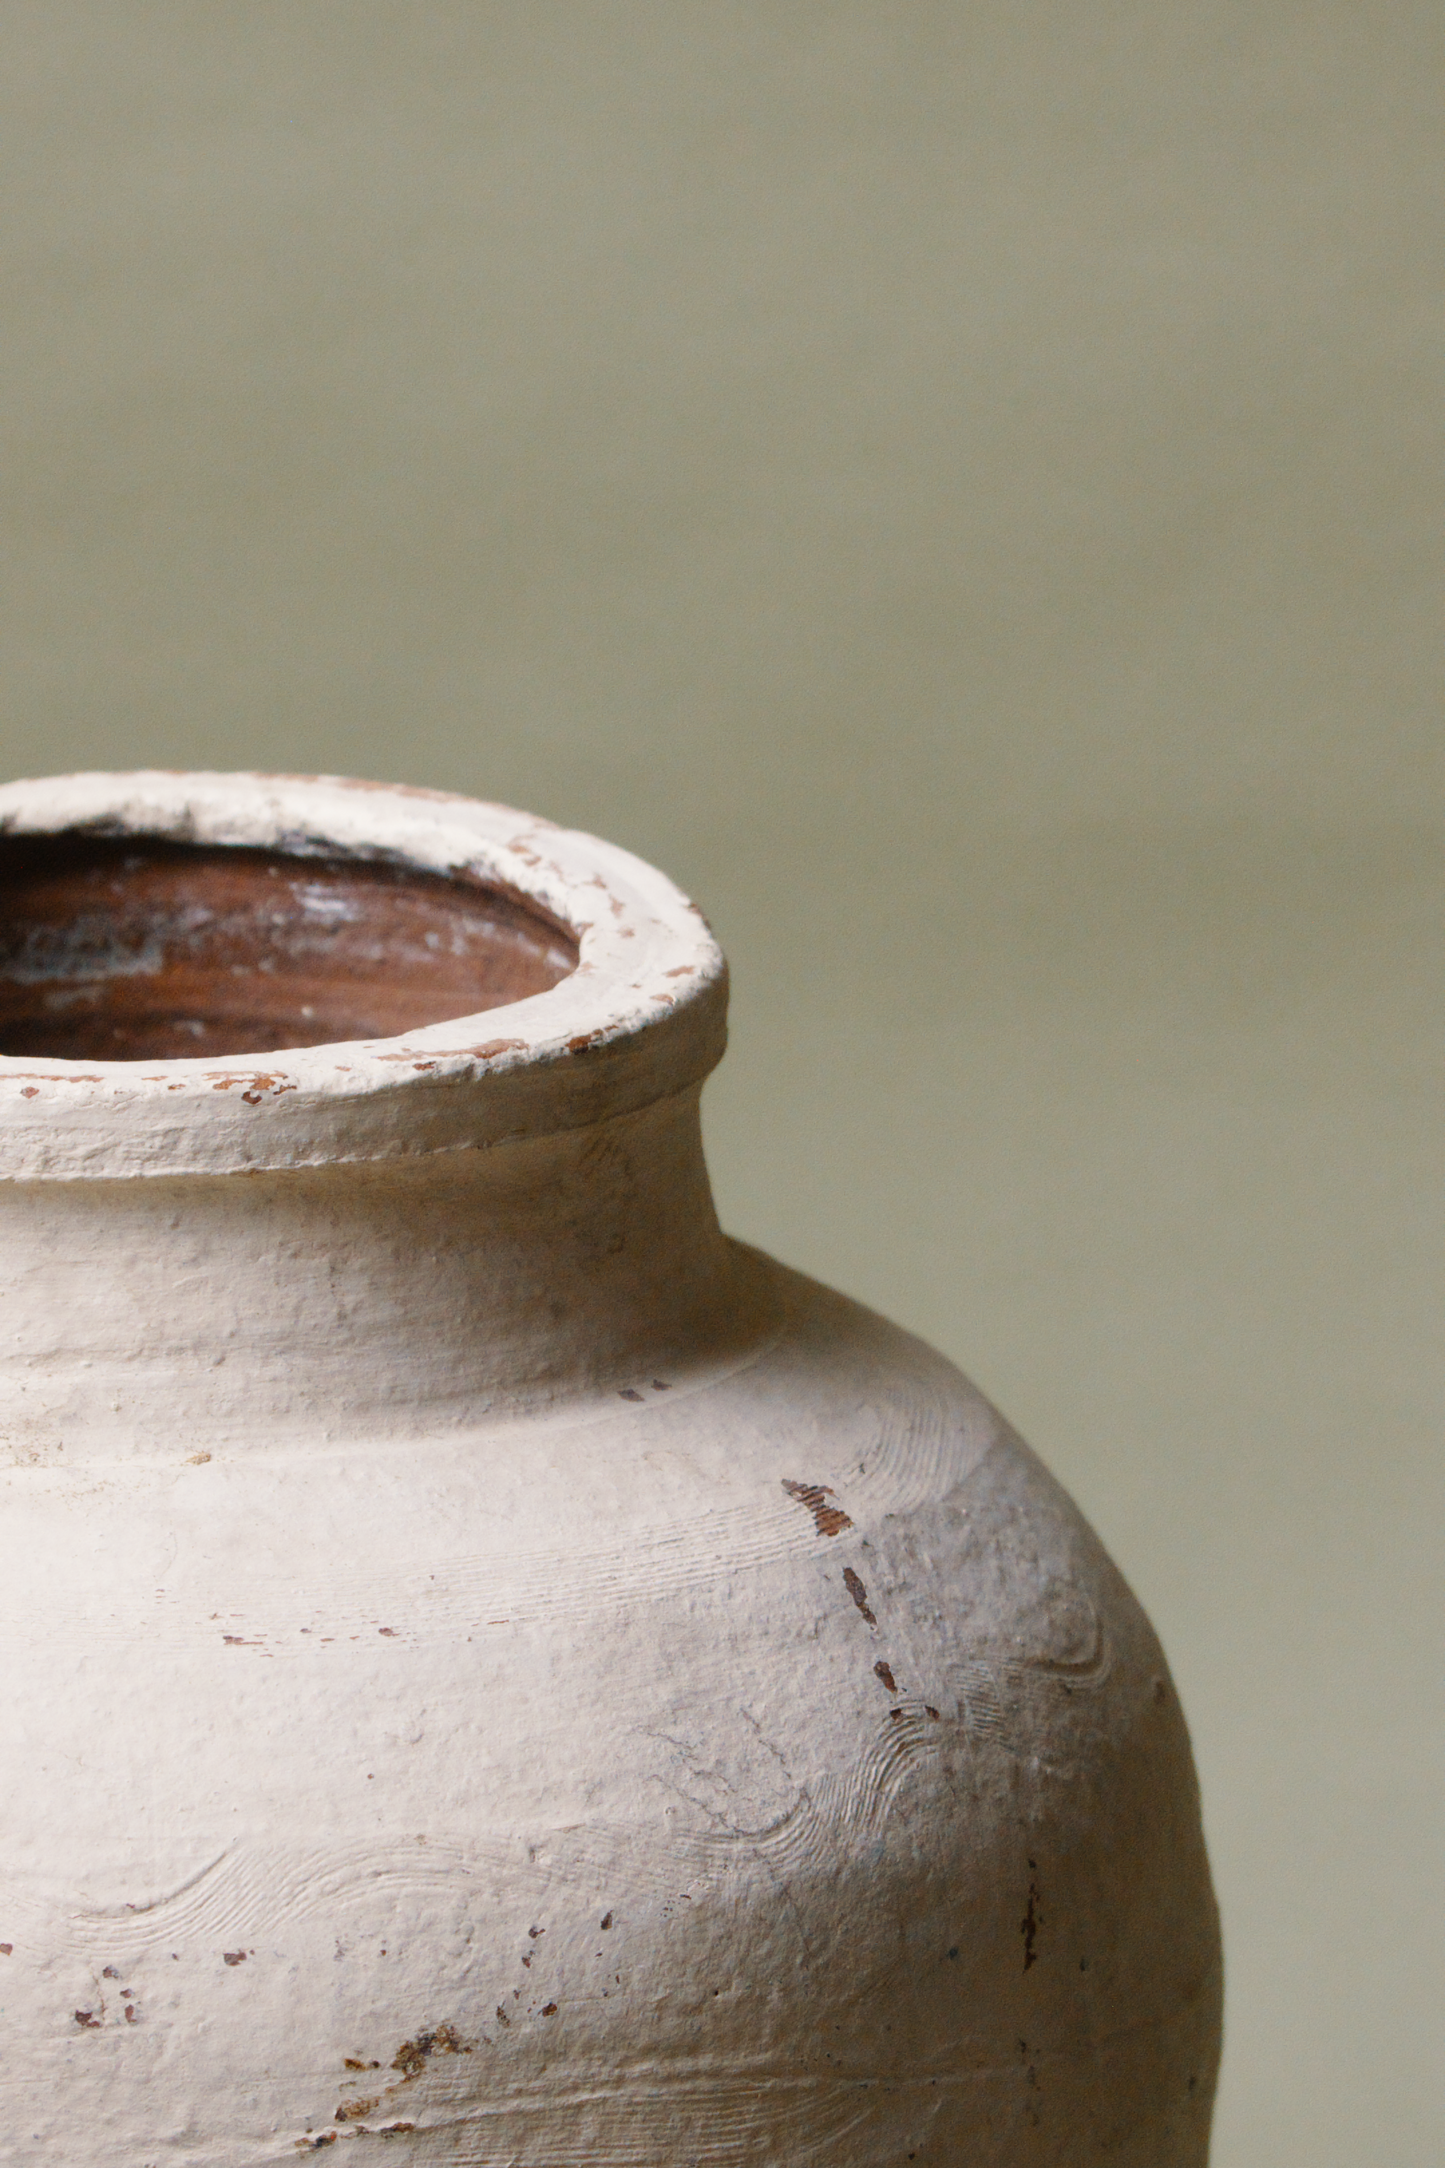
(128, 949)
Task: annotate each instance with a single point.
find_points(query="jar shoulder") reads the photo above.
(777, 1744)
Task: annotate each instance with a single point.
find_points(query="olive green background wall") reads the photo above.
(959, 486)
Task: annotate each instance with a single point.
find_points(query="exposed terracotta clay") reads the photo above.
(491, 1664)
(119, 949)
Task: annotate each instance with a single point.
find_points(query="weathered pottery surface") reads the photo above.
(495, 1672)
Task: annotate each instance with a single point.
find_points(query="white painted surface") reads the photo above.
(493, 1663)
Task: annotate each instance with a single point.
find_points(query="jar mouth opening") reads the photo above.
(141, 948)
(224, 973)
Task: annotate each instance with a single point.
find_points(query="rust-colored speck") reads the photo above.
(351, 2111)
(87, 2020)
(7, 1949)
(885, 1674)
(260, 1083)
(132, 2015)
(30, 1091)
(354, 2062)
(830, 1520)
(858, 1593)
(606, 1921)
(491, 1048)
(932, 1713)
(627, 1393)
(549, 2009)
(235, 1957)
(109, 1973)
(412, 2056)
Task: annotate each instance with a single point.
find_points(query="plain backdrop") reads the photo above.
(960, 487)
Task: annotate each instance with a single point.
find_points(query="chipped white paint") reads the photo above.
(490, 1662)
(645, 1006)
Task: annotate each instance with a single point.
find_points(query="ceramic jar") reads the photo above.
(496, 1672)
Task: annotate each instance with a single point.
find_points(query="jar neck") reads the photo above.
(167, 1316)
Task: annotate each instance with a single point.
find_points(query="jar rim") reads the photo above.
(642, 1014)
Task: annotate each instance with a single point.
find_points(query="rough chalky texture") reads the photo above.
(498, 1672)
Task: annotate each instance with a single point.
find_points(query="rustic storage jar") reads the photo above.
(496, 1672)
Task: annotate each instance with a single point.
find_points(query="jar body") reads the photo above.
(758, 1762)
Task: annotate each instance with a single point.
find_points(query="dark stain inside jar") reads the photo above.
(132, 949)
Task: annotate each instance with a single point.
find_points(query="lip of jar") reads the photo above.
(600, 987)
